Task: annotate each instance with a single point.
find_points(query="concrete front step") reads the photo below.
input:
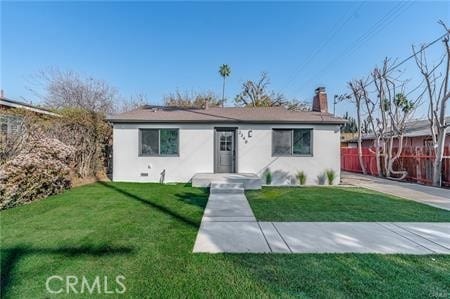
(250, 180)
(226, 188)
(229, 219)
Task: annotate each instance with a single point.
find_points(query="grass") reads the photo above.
(146, 232)
(338, 204)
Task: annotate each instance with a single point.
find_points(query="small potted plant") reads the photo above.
(268, 175)
(321, 179)
(301, 177)
(331, 176)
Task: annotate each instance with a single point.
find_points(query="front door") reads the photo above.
(225, 151)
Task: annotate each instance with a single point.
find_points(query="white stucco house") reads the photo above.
(154, 144)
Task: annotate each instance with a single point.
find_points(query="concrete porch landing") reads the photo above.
(250, 181)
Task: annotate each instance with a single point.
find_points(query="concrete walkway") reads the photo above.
(437, 197)
(229, 225)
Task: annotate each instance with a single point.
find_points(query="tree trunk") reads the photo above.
(358, 113)
(437, 164)
(394, 158)
(361, 161)
(378, 156)
(223, 91)
(388, 156)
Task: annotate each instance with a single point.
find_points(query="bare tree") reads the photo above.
(388, 115)
(82, 103)
(437, 91)
(134, 102)
(399, 110)
(192, 100)
(387, 109)
(357, 96)
(257, 94)
(67, 89)
(378, 124)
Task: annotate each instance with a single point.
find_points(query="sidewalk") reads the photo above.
(436, 197)
(229, 225)
(358, 237)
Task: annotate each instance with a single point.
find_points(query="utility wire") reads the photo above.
(336, 29)
(411, 56)
(388, 18)
(378, 26)
(423, 48)
(420, 51)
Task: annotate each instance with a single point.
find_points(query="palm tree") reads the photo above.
(224, 71)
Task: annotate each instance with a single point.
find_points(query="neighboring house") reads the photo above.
(10, 124)
(347, 139)
(151, 144)
(417, 135)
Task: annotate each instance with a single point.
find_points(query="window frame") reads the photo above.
(311, 154)
(140, 154)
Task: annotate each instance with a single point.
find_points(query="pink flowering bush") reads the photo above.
(42, 168)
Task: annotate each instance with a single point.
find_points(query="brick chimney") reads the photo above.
(320, 102)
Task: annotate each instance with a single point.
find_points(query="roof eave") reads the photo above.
(18, 105)
(333, 122)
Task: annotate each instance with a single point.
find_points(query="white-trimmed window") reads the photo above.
(10, 124)
(158, 142)
(292, 142)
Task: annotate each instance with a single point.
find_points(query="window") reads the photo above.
(158, 142)
(302, 142)
(282, 142)
(226, 142)
(10, 124)
(4, 129)
(291, 142)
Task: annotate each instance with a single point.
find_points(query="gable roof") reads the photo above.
(21, 105)
(156, 114)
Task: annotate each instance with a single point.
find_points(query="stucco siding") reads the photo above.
(255, 156)
(196, 153)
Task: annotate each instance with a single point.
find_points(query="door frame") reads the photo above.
(235, 147)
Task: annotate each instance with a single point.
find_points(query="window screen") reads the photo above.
(282, 142)
(149, 142)
(168, 141)
(158, 142)
(302, 142)
(289, 142)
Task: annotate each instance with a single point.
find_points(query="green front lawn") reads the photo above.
(338, 204)
(146, 233)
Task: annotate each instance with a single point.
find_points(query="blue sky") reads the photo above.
(157, 48)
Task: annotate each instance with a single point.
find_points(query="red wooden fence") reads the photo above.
(418, 162)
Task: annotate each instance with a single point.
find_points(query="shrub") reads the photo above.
(321, 179)
(39, 170)
(268, 177)
(331, 176)
(88, 134)
(301, 177)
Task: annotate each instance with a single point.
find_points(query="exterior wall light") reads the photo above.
(250, 133)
